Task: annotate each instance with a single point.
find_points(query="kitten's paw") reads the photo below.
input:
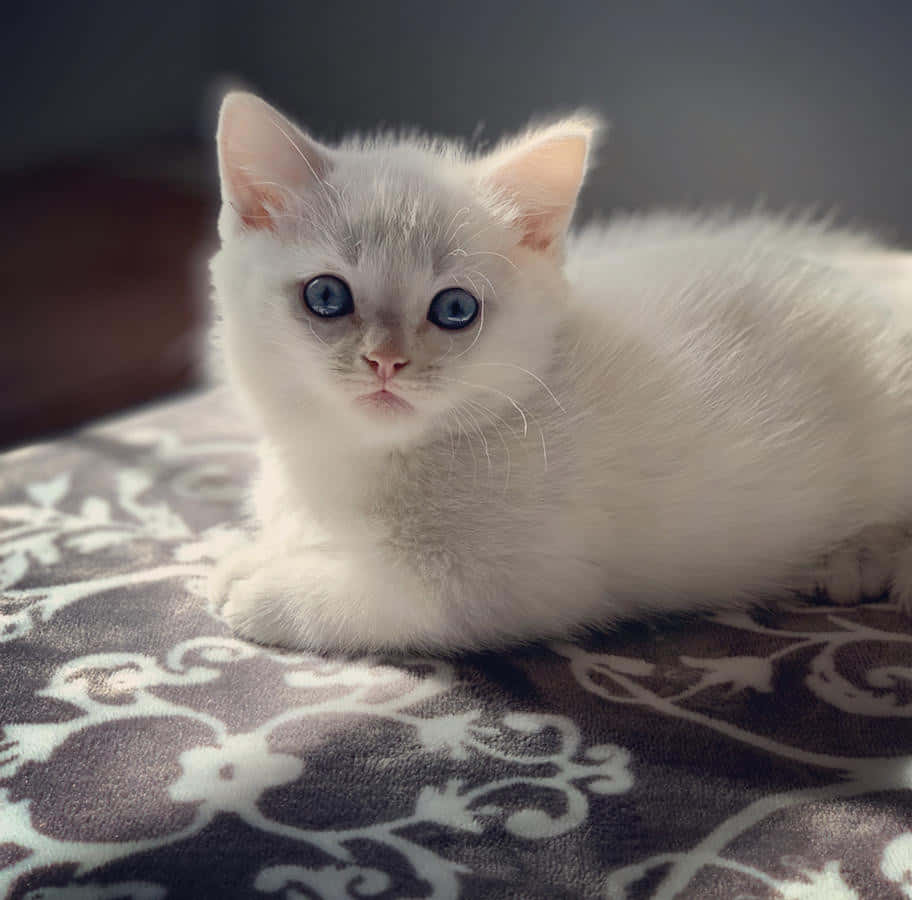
(240, 563)
(901, 589)
(877, 560)
(269, 600)
(325, 599)
(853, 573)
(300, 601)
(252, 615)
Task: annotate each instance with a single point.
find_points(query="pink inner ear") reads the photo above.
(255, 211)
(541, 176)
(260, 153)
(538, 231)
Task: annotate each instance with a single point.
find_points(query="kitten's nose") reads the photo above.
(385, 364)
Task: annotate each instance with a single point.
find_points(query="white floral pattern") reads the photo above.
(147, 753)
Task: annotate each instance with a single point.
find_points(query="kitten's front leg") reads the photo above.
(322, 598)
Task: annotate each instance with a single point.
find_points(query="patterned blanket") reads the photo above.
(146, 753)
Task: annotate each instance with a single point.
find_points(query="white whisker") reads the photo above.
(471, 448)
(452, 451)
(480, 232)
(494, 419)
(493, 414)
(507, 397)
(523, 414)
(486, 280)
(521, 369)
(471, 281)
(453, 440)
(313, 331)
(457, 229)
(484, 441)
(445, 355)
(456, 215)
(492, 253)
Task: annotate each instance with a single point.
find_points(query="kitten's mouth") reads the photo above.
(385, 401)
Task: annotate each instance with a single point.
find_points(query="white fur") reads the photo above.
(675, 413)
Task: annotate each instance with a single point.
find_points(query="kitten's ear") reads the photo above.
(263, 161)
(539, 176)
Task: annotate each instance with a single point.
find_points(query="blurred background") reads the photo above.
(107, 165)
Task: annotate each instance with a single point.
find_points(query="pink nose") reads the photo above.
(385, 364)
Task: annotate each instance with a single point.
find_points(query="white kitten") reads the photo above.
(476, 431)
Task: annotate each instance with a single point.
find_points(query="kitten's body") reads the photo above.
(687, 413)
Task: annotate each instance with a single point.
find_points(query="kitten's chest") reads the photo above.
(457, 495)
(463, 495)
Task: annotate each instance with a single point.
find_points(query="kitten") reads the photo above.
(478, 430)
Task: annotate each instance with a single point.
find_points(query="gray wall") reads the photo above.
(711, 102)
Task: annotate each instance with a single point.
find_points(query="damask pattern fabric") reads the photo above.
(145, 753)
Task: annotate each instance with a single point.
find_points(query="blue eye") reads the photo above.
(327, 296)
(453, 308)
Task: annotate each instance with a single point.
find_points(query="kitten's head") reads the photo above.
(389, 286)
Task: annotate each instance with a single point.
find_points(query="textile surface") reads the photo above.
(146, 753)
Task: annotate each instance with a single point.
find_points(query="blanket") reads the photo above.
(147, 753)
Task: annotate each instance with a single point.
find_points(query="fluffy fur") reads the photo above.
(658, 414)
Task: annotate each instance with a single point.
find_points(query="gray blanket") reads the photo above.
(146, 753)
